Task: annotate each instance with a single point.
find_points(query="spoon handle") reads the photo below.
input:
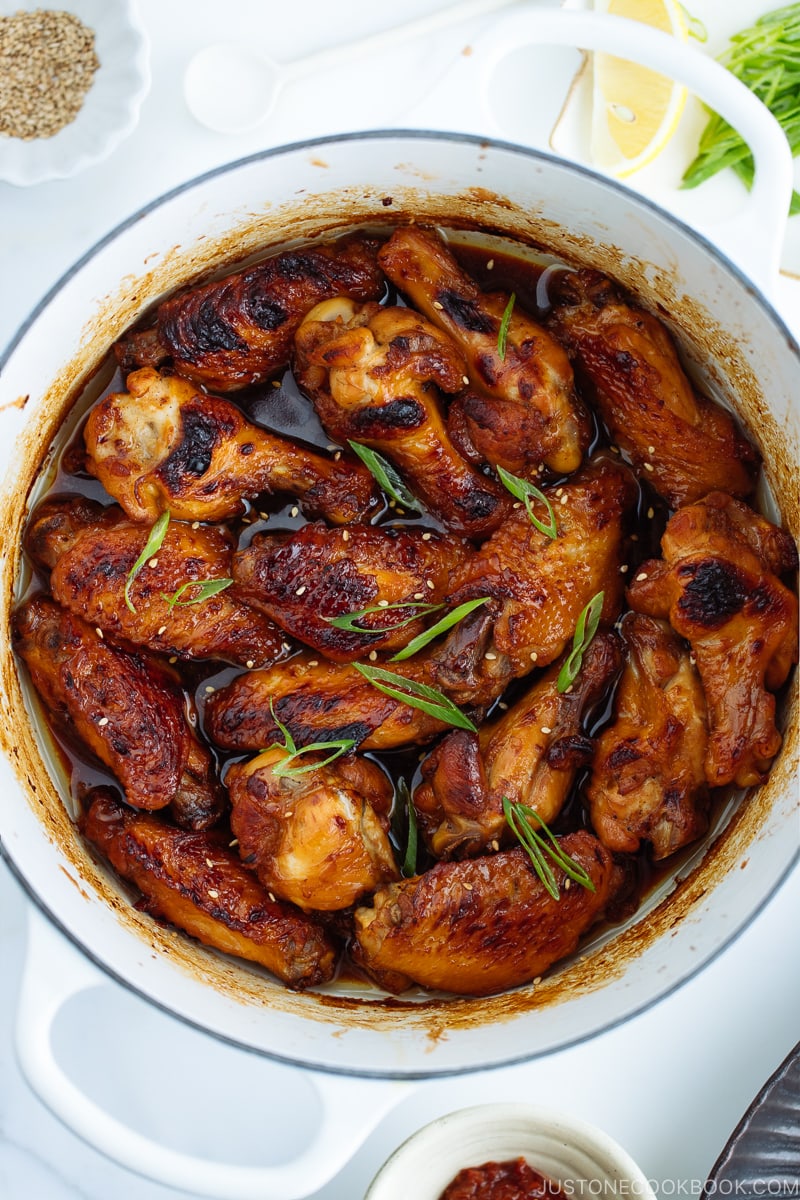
(375, 43)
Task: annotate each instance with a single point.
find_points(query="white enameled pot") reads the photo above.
(736, 342)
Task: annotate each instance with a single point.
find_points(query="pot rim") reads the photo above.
(535, 155)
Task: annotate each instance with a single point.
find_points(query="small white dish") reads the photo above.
(582, 1159)
(111, 107)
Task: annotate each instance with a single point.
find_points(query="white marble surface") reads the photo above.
(671, 1084)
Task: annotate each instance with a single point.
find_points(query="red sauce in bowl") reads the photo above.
(513, 1180)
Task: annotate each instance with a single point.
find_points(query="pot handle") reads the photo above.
(350, 1107)
(754, 237)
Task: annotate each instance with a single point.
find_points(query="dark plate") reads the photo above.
(762, 1157)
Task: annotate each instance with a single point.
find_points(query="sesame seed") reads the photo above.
(300, 590)
(272, 897)
(337, 456)
(235, 842)
(465, 378)
(314, 662)
(692, 660)
(567, 690)
(517, 504)
(490, 655)
(437, 305)
(419, 596)
(651, 449)
(651, 512)
(564, 498)
(293, 511)
(634, 537)
(614, 449)
(210, 689)
(98, 631)
(401, 512)
(332, 448)
(373, 656)
(649, 466)
(345, 535)
(249, 664)
(642, 575)
(276, 383)
(426, 537)
(285, 647)
(559, 491)
(264, 516)
(383, 604)
(502, 706)
(534, 656)
(546, 729)
(195, 524)
(103, 721)
(538, 979)
(429, 583)
(173, 658)
(567, 884)
(163, 629)
(494, 845)
(623, 569)
(213, 893)
(209, 863)
(490, 265)
(153, 562)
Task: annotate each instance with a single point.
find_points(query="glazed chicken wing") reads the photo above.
(682, 443)
(483, 925)
(318, 701)
(123, 708)
(721, 595)
(193, 881)
(91, 569)
(165, 445)
(238, 330)
(302, 580)
(522, 410)
(318, 839)
(648, 779)
(540, 584)
(529, 756)
(371, 373)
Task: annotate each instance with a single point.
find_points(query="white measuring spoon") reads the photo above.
(230, 87)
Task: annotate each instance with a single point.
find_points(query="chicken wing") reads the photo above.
(91, 564)
(239, 330)
(370, 372)
(318, 701)
(530, 756)
(193, 881)
(522, 410)
(648, 780)
(483, 925)
(305, 578)
(720, 594)
(681, 442)
(123, 708)
(540, 584)
(318, 839)
(165, 445)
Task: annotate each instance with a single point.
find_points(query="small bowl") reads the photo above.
(111, 107)
(583, 1160)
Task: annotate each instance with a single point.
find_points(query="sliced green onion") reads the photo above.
(416, 695)
(349, 620)
(502, 333)
(291, 751)
(409, 866)
(206, 589)
(386, 476)
(540, 843)
(585, 630)
(528, 492)
(152, 546)
(284, 767)
(442, 626)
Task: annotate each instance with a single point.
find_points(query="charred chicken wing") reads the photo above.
(483, 925)
(318, 839)
(681, 442)
(521, 410)
(540, 584)
(725, 599)
(648, 780)
(165, 445)
(303, 580)
(529, 756)
(193, 881)
(238, 330)
(372, 373)
(91, 576)
(123, 708)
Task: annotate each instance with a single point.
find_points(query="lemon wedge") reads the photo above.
(635, 111)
